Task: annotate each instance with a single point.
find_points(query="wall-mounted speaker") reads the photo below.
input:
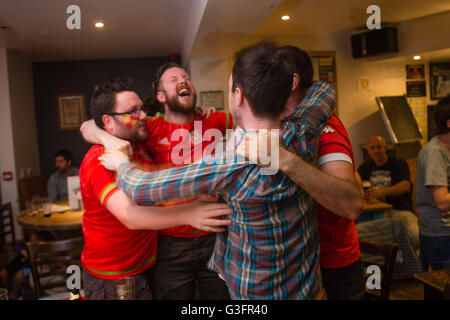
(374, 42)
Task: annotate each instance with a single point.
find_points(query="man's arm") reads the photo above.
(94, 135)
(308, 119)
(178, 183)
(200, 214)
(333, 186)
(442, 198)
(396, 190)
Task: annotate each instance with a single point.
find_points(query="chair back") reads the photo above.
(51, 258)
(6, 225)
(36, 185)
(387, 253)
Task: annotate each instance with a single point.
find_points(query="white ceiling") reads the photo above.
(312, 17)
(133, 28)
(142, 28)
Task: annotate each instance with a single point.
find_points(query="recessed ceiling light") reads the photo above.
(285, 18)
(99, 25)
(417, 57)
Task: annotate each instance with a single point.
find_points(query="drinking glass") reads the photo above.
(37, 203)
(3, 294)
(125, 288)
(366, 185)
(31, 207)
(46, 204)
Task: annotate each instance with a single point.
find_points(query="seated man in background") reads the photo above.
(57, 183)
(432, 196)
(390, 182)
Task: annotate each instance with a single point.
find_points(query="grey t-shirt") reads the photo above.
(433, 169)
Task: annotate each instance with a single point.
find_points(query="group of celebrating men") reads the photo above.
(222, 223)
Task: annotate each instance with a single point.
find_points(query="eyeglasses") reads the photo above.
(135, 113)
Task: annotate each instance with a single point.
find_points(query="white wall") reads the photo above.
(7, 160)
(358, 110)
(18, 132)
(212, 56)
(23, 114)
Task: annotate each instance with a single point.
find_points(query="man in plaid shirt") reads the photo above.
(271, 250)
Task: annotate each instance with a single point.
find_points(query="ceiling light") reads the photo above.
(285, 18)
(99, 25)
(417, 57)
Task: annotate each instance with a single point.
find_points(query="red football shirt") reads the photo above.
(339, 244)
(172, 144)
(111, 250)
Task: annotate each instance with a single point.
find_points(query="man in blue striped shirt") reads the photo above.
(271, 250)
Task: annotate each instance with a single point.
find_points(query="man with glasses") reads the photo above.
(176, 138)
(390, 182)
(117, 243)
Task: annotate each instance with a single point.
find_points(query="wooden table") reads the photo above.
(375, 205)
(373, 210)
(436, 284)
(60, 224)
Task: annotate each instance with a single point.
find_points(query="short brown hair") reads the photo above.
(103, 100)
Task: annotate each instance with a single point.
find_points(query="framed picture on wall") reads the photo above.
(71, 111)
(439, 80)
(212, 99)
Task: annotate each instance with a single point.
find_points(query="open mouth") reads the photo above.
(184, 92)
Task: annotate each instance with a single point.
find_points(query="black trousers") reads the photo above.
(180, 264)
(344, 283)
(99, 289)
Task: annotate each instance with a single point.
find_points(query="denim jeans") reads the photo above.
(435, 251)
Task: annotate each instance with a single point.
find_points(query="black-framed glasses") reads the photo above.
(135, 113)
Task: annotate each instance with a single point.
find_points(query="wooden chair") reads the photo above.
(36, 185)
(387, 252)
(7, 248)
(51, 258)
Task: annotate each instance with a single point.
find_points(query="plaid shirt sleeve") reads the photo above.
(178, 183)
(301, 129)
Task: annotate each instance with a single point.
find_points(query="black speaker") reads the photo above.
(374, 42)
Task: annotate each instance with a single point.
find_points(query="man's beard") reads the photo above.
(138, 138)
(134, 137)
(175, 106)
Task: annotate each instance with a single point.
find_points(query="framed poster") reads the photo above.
(439, 80)
(212, 99)
(415, 71)
(324, 69)
(71, 111)
(416, 89)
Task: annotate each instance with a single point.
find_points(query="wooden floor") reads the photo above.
(406, 289)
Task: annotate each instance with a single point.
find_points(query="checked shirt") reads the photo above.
(271, 249)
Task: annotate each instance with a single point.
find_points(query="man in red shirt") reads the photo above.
(117, 243)
(178, 137)
(333, 186)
